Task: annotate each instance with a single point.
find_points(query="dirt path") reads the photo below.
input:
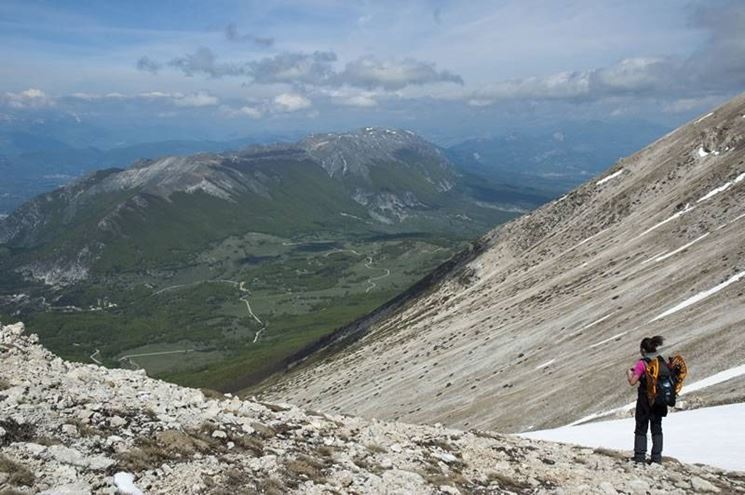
(93, 358)
(134, 364)
(242, 288)
(372, 280)
(178, 286)
(341, 251)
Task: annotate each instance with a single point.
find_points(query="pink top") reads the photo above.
(639, 368)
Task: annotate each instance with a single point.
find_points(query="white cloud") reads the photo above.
(312, 68)
(29, 98)
(634, 76)
(244, 111)
(717, 68)
(97, 96)
(291, 102)
(196, 100)
(363, 101)
(371, 72)
(252, 112)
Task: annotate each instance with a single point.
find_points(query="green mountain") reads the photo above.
(211, 269)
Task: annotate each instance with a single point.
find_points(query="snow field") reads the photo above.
(711, 435)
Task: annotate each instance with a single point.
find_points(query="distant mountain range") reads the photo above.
(215, 252)
(39, 157)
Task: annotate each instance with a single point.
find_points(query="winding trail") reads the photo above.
(306, 242)
(341, 251)
(178, 286)
(131, 361)
(93, 358)
(368, 265)
(246, 292)
(372, 280)
(241, 287)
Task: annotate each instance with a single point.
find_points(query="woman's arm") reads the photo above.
(632, 377)
(634, 374)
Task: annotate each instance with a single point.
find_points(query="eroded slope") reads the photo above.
(539, 329)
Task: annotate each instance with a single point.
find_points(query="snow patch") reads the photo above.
(715, 191)
(730, 222)
(715, 379)
(609, 339)
(705, 117)
(653, 258)
(702, 152)
(681, 248)
(700, 296)
(209, 188)
(599, 320)
(703, 435)
(546, 364)
(606, 179)
(685, 210)
(582, 242)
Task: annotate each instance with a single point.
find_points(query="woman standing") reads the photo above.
(647, 414)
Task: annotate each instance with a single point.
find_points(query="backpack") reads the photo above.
(664, 380)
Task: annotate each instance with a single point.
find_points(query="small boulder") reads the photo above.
(700, 485)
(445, 457)
(125, 485)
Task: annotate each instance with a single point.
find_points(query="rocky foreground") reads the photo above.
(69, 428)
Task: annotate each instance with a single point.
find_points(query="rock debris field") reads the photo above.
(69, 428)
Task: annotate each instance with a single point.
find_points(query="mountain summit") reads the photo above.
(535, 328)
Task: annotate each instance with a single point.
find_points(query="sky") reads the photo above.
(224, 69)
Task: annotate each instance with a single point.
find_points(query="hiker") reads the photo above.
(647, 413)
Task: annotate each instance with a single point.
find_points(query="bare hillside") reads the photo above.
(538, 330)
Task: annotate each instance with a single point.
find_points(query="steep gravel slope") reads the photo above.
(538, 330)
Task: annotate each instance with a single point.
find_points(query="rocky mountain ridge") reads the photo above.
(69, 428)
(537, 330)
